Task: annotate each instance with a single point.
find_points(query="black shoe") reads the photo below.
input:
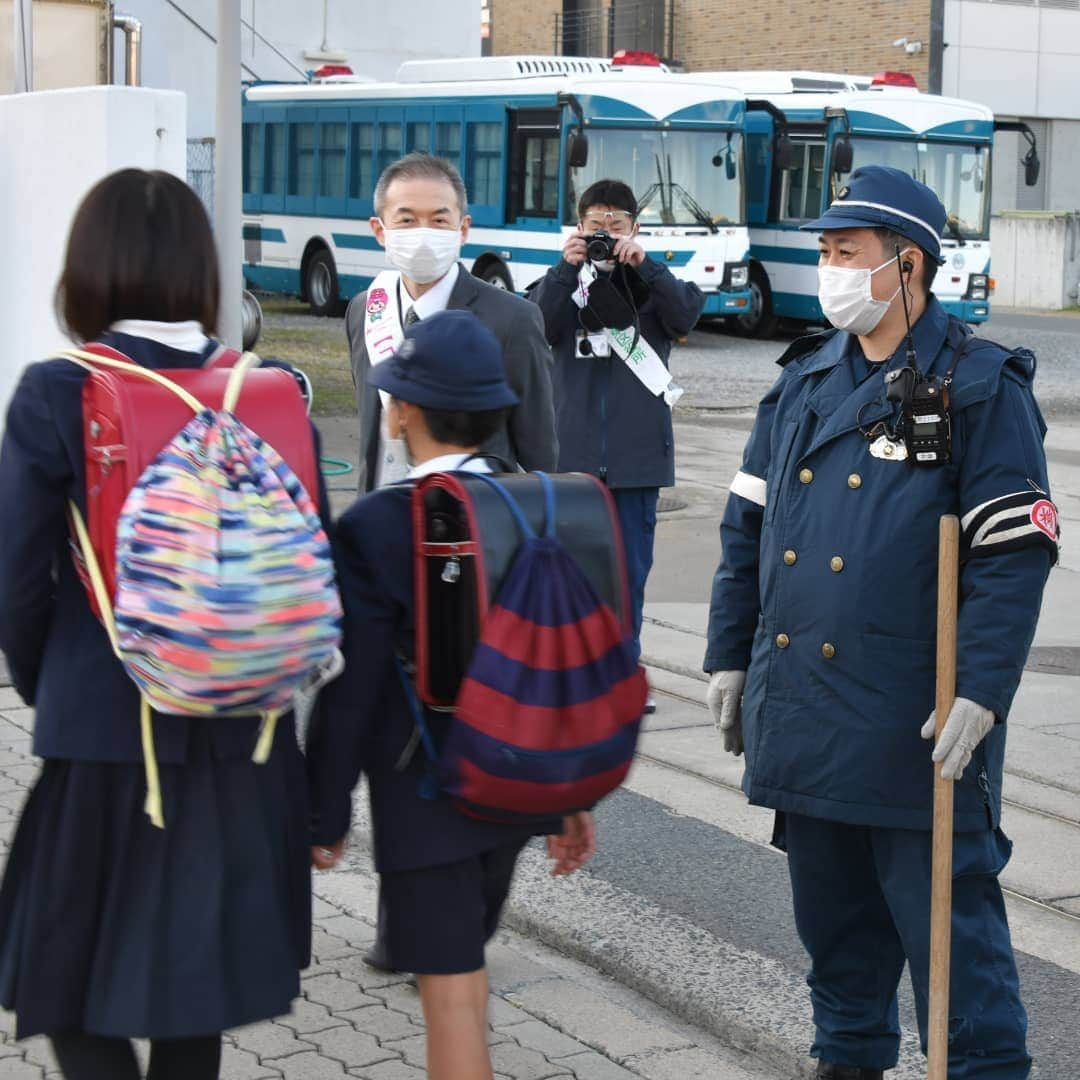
(650, 705)
(827, 1071)
(376, 958)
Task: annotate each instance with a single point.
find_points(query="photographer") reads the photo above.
(603, 301)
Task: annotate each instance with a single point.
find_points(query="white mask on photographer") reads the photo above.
(422, 255)
(847, 300)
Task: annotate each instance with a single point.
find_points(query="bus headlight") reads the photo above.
(738, 276)
(978, 287)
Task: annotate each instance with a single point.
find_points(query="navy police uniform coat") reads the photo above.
(108, 924)
(827, 590)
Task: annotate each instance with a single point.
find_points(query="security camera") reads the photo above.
(913, 47)
(899, 43)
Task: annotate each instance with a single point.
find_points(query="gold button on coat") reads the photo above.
(782, 641)
(836, 564)
(828, 651)
(854, 481)
(790, 557)
(806, 476)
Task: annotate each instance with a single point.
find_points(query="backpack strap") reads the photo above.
(92, 360)
(429, 788)
(515, 510)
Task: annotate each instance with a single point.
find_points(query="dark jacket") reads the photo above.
(59, 654)
(363, 722)
(529, 438)
(608, 423)
(827, 590)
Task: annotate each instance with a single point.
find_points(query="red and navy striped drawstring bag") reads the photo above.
(547, 716)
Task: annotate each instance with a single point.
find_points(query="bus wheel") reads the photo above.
(496, 275)
(321, 283)
(759, 321)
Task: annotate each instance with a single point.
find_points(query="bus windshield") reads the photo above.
(672, 174)
(959, 175)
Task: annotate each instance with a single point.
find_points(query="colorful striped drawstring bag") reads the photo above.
(546, 719)
(226, 599)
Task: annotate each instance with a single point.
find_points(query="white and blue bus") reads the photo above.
(516, 128)
(806, 130)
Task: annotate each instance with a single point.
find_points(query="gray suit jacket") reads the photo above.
(529, 439)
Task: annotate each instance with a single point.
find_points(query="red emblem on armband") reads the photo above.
(1044, 518)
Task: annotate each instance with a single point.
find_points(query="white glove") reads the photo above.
(725, 703)
(966, 727)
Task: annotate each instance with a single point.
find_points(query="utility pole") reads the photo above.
(228, 179)
(937, 45)
(23, 38)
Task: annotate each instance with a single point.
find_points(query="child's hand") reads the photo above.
(574, 846)
(326, 858)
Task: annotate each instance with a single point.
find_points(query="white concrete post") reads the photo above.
(227, 172)
(23, 37)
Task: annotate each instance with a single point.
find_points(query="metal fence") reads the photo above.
(200, 171)
(594, 30)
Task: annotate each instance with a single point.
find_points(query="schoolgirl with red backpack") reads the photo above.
(505, 714)
(165, 584)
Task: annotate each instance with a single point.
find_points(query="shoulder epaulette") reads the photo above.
(803, 346)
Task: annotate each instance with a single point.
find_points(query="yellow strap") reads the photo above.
(266, 738)
(236, 380)
(97, 581)
(91, 360)
(152, 806)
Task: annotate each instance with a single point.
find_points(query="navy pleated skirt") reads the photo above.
(115, 927)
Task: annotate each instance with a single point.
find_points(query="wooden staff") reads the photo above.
(941, 880)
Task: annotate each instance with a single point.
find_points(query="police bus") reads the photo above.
(806, 130)
(528, 134)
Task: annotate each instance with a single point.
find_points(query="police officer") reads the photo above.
(821, 643)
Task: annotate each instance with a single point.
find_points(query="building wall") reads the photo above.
(524, 27)
(375, 39)
(851, 36)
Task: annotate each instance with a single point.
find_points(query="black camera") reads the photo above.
(600, 247)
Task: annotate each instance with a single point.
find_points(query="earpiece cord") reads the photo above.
(912, 361)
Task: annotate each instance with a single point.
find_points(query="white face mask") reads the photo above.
(422, 255)
(846, 297)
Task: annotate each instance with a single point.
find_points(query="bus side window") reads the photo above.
(253, 159)
(302, 159)
(534, 172)
(332, 161)
(275, 159)
(361, 179)
(485, 161)
(389, 144)
(448, 142)
(418, 137)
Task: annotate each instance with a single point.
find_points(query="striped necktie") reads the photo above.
(411, 317)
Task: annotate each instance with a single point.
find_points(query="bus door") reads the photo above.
(535, 146)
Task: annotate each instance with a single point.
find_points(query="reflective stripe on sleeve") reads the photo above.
(749, 487)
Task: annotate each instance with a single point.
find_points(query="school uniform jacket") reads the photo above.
(827, 589)
(363, 720)
(58, 652)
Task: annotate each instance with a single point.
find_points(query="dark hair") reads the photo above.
(607, 193)
(419, 165)
(140, 247)
(464, 429)
(891, 240)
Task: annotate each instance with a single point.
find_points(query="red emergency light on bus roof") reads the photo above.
(895, 78)
(635, 58)
(328, 71)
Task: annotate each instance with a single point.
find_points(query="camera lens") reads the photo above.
(600, 248)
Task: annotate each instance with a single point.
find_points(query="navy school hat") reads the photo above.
(879, 197)
(449, 361)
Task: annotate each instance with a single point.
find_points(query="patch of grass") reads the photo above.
(277, 304)
(323, 354)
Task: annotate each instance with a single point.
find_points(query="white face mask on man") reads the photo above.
(422, 255)
(847, 299)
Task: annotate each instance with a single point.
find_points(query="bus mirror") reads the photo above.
(730, 169)
(784, 153)
(577, 150)
(1031, 167)
(843, 156)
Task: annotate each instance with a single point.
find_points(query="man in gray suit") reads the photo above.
(422, 221)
